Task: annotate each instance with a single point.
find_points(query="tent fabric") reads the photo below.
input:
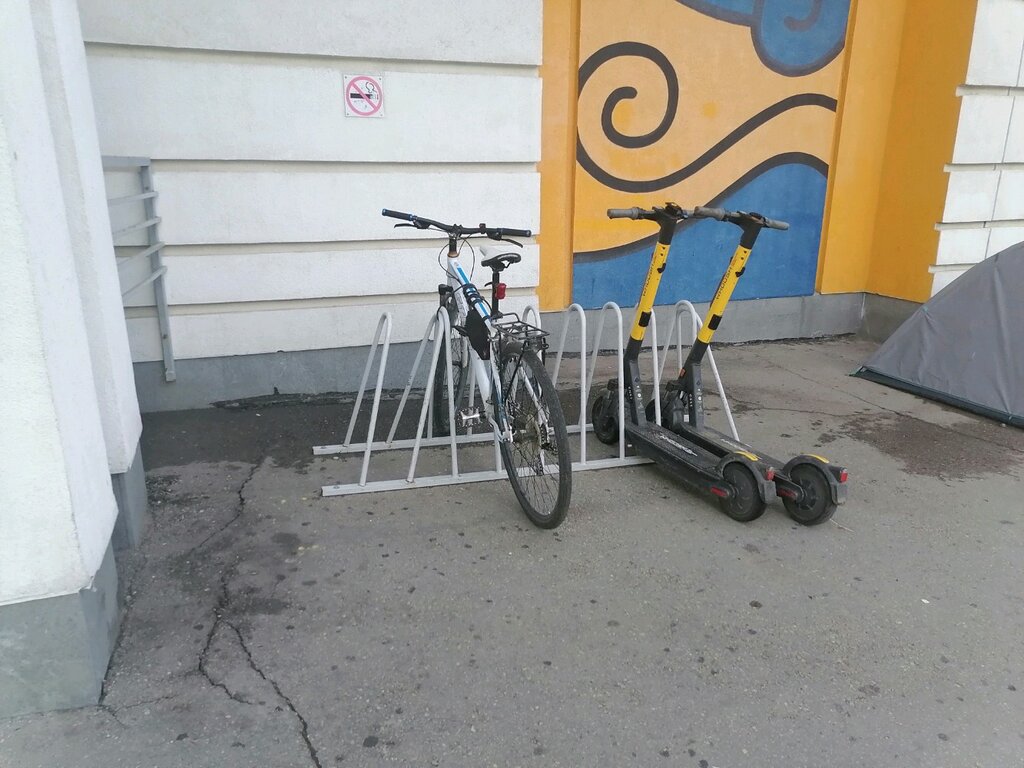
(965, 346)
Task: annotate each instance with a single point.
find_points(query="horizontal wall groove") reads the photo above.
(328, 302)
(245, 249)
(281, 58)
(983, 224)
(958, 267)
(338, 166)
(981, 167)
(979, 89)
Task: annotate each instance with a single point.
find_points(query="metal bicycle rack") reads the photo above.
(439, 331)
(695, 325)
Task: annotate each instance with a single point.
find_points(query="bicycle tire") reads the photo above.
(451, 354)
(544, 496)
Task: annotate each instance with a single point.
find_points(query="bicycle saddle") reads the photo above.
(497, 258)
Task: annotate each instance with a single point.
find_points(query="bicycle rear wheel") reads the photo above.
(452, 354)
(538, 461)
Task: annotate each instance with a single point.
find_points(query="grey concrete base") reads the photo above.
(132, 505)
(202, 382)
(884, 314)
(796, 317)
(56, 649)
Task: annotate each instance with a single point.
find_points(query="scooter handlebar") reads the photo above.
(625, 213)
(720, 214)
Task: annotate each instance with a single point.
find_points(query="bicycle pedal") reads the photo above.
(469, 417)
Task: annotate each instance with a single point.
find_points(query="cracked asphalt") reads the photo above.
(267, 626)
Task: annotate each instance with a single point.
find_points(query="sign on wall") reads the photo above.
(364, 96)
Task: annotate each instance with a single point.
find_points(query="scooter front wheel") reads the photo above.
(746, 503)
(606, 427)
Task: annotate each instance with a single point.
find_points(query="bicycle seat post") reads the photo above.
(497, 288)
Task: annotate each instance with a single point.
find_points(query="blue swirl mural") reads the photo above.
(768, 151)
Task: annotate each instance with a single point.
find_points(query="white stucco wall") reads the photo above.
(270, 196)
(73, 125)
(984, 210)
(57, 507)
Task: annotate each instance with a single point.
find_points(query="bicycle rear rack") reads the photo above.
(511, 328)
(439, 331)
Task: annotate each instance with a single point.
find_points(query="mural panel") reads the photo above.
(703, 102)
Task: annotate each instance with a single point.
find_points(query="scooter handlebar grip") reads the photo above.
(624, 213)
(701, 212)
(773, 224)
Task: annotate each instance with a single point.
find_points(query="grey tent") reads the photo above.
(965, 346)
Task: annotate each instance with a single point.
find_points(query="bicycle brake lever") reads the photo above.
(516, 243)
(404, 225)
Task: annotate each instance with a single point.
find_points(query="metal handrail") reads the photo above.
(154, 247)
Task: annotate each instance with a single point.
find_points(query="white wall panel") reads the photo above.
(1014, 152)
(944, 278)
(316, 274)
(275, 211)
(1010, 196)
(332, 204)
(494, 31)
(990, 133)
(962, 246)
(179, 106)
(971, 196)
(257, 332)
(997, 42)
(1002, 238)
(981, 132)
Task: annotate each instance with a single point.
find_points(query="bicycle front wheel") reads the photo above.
(537, 459)
(451, 355)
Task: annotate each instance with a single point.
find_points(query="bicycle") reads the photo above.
(504, 352)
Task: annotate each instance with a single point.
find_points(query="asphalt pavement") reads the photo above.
(268, 626)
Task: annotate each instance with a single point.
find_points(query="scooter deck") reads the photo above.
(720, 444)
(691, 463)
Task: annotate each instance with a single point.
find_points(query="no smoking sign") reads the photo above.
(364, 96)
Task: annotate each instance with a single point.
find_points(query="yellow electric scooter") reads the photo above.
(743, 479)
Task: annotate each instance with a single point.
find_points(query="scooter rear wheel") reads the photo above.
(746, 503)
(606, 428)
(816, 506)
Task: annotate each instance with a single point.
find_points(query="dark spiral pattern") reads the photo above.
(659, 59)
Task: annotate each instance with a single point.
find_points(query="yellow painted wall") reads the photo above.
(704, 102)
(896, 130)
(922, 128)
(872, 58)
(558, 151)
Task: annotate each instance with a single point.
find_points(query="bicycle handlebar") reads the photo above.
(495, 233)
